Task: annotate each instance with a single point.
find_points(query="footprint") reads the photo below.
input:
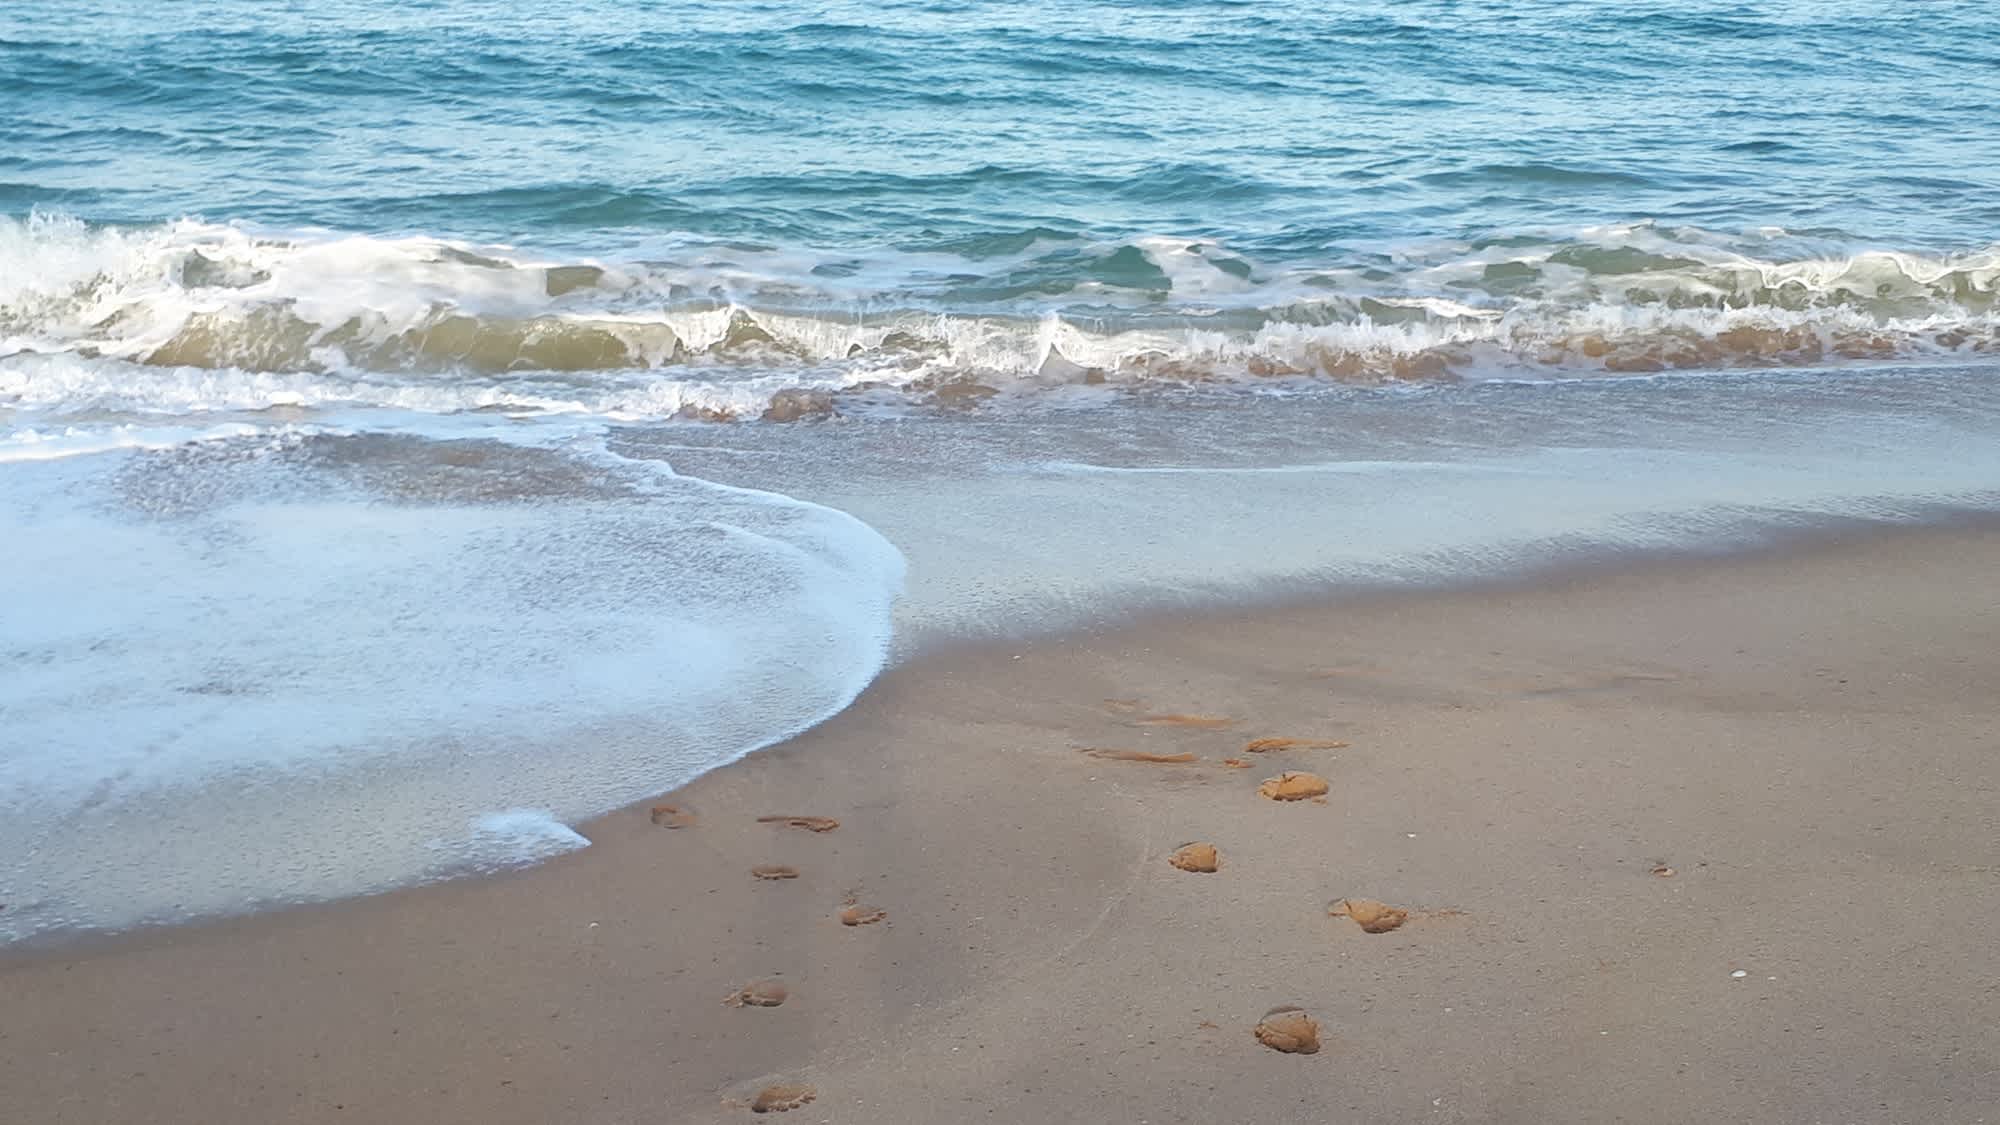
(809, 823)
(774, 871)
(782, 1098)
(672, 816)
(758, 994)
(1263, 745)
(856, 914)
(1137, 756)
(1196, 857)
(1200, 722)
(1290, 1030)
(1373, 917)
(1293, 785)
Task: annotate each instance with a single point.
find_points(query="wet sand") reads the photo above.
(1699, 841)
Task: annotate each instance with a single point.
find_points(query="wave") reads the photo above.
(194, 315)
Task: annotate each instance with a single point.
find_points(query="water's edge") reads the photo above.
(1583, 566)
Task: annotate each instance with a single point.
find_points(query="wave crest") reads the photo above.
(730, 331)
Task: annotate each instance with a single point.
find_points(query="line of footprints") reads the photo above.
(784, 1096)
(1288, 1029)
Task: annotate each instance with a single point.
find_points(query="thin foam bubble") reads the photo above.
(73, 441)
(515, 838)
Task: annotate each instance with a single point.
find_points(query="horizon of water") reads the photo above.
(422, 429)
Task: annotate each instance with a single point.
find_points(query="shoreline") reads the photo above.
(1521, 756)
(1818, 533)
(1590, 562)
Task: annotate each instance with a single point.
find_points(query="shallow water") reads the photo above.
(394, 456)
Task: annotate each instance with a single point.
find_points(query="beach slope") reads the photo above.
(1692, 841)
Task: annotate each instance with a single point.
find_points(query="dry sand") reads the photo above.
(1810, 742)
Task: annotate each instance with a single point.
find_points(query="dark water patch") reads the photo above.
(1761, 147)
(992, 244)
(1551, 174)
(19, 198)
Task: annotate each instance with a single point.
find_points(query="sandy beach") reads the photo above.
(1702, 840)
(596, 563)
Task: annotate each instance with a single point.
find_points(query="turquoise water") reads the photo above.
(425, 426)
(1291, 132)
(910, 195)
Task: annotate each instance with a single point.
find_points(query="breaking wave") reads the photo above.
(193, 315)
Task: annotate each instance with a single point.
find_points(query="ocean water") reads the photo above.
(424, 426)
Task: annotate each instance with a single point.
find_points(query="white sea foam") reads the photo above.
(514, 838)
(194, 316)
(77, 441)
(276, 667)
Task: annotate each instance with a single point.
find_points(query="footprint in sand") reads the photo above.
(1266, 745)
(1136, 756)
(774, 871)
(1290, 1030)
(1373, 917)
(758, 994)
(1198, 722)
(857, 914)
(809, 823)
(1201, 858)
(782, 1098)
(1293, 785)
(672, 816)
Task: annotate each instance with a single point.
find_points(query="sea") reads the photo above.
(426, 425)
